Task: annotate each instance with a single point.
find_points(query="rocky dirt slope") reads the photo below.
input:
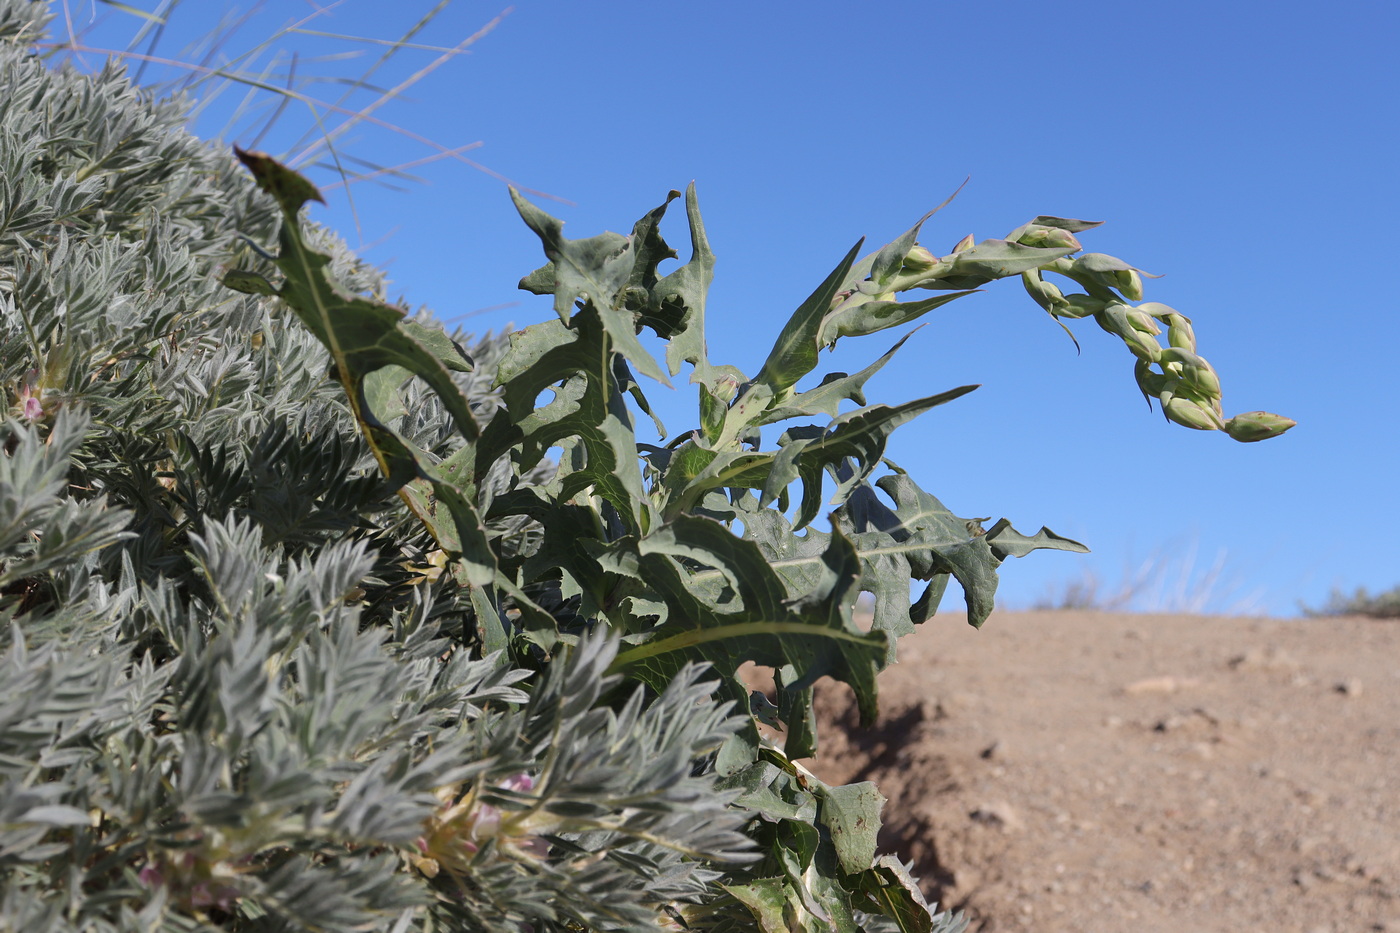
(1072, 771)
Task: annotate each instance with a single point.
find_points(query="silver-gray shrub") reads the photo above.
(234, 691)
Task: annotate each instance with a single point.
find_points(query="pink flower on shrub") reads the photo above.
(191, 881)
(462, 825)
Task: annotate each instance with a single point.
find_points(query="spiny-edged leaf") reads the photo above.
(886, 262)
(1007, 542)
(859, 319)
(767, 899)
(362, 334)
(794, 353)
(288, 188)
(491, 625)
(685, 290)
(539, 282)
(894, 893)
(851, 812)
(766, 788)
(814, 633)
(448, 351)
(859, 436)
(835, 388)
(694, 470)
(589, 404)
(919, 537)
(595, 271)
(570, 546)
(652, 250)
(439, 499)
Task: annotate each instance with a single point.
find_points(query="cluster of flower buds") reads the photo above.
(192, 881)
(1038, 235)
(1182, 381)
(463, 824)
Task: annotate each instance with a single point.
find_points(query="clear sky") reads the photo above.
(1244, 150)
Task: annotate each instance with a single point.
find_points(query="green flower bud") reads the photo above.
(919, 259)
(1179, 332)
(1081, 305)
(1151, 383)
(1203, 379)
(1257, 426)
(1129, 283)
(1114, 319)
(1037, 235)
(1046, 294)
(725, 389)
(964, 244)
(1143, 321)
(840, 297)
(1194, 371)
(1192, 414)
(1144, 346)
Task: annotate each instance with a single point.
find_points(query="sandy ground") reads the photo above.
(1078, 771)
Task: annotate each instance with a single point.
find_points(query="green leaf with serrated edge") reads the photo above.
(815, 634)
(830, 886)
(826, 398)
(767, 898)
(758, 793)
(686, 289)
(623, 375)
(696, 470)
(1007, 542)
(763, 709)
(651, 250)
(869, 317)
(536, 625)
(570, 543)
(894, 894)
(595, 271)
(364, 335)
(794, 353)
(589, 405)
(539, 282)
(439, 503)
(886, 262)
(922, 536)
(795, 709)
(851, 812)
(448, 351)
(288, 188)
(859, 435)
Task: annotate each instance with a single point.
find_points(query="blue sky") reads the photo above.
(1245, 151)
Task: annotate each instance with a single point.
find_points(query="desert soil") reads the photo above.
(1078, 771)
